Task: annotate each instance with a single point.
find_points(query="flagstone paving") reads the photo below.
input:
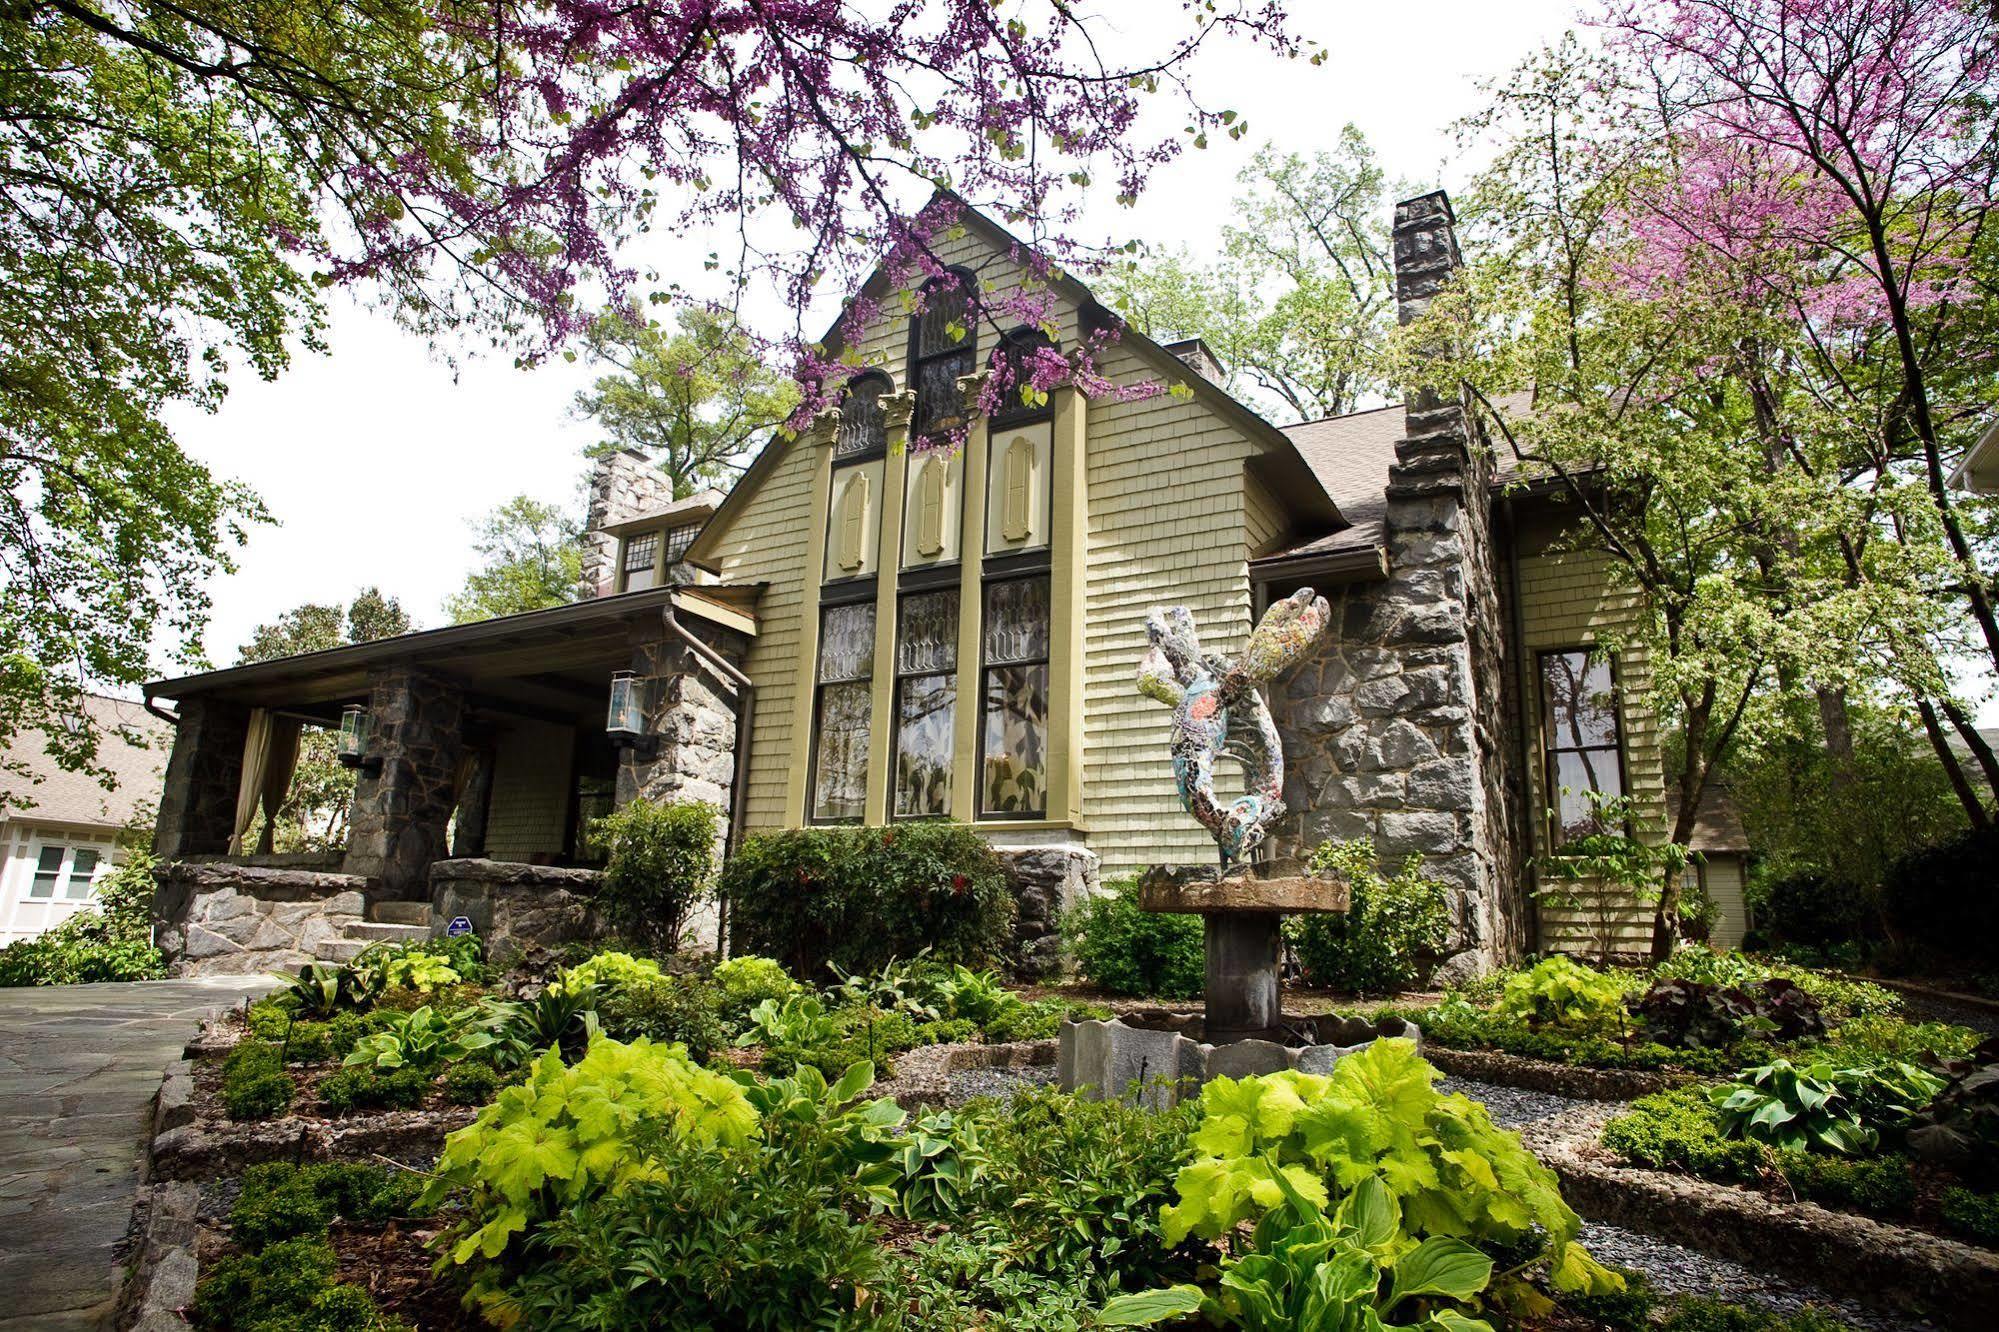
(78, 1068)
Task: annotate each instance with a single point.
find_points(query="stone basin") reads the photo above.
(1158, 1060)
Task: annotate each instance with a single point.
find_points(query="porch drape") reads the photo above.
(278, 771)
(270, 752)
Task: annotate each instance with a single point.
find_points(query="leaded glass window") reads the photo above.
(943, 343)
(926, 696)
(1014, 750)
(841, 712)
(862, 429)
(641, 561)
(678, 539)
(1010, 363)
(1583, 738)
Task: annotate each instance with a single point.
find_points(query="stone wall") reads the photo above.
(1395, 729)
(401, 813)
(622, 486)
(515, 907)
(1047, 880)
(217, 919)
(198, 796)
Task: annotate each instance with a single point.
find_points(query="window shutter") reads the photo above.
(1019, 477)
(930, 509)
(853, 521)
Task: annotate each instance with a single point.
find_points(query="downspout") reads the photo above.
(170, 718)
(746, 708)
(1519, 619)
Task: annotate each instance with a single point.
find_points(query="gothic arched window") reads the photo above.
(942, 344)
(861, 430)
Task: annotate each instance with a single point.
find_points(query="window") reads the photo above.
(1014, 743)
(840, 729)
(861, 428)
(926, 697)
(678, 539)
(941, 347)
(641, 561)
(1010, 361)
(1581, 736)
(61, 870)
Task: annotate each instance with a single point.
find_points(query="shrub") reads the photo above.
(1392, 927)
(254, 1082)
(1681, 1130)
(1879, 1187)
(662, 861)
(1696, 1314)
(862, 897)
(286, 1287)
(1809, 909)
(667, 1009)
(1696, 1015)
(470, 1084)
(1560, 993)
(1942, 896)
(745, 982)
(1960, 1125)
(1123, 950)
(1972, 1215)
(109, 941)
(606, 971)
(1822, 1108)
(282, 1201)
(369, 1088)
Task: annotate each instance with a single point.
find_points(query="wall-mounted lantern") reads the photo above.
(626, 722)
(357, 725)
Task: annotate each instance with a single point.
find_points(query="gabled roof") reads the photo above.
(1717, 823)
(1284, 470)
(62, 796)
(698, 507)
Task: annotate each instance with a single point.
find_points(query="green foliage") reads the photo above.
(1822, 1108)
(1039, 1019)
(979, 997)
(1612, 855)
(111, 940)
(1695, 1314)
(557, 1018)
(938, 1160)
(1841, 996)
(282, 1201)
(746, 981)
(470, 1084)
(956, 1284)
(254, 1082)
(1975, 1216)
(1376, 1116)
(422, 1039)
(321, 990)
(1680, 1129)
(532, 560)
(608, 969)
(1942, 896)
(667, 1009)
(1458, 1024)
(800, 1021)
(285, 1287)
(1563, 995)
(661, 862)
(1304, 1269)
(1693, 1014)
(893, 987)
(370, 1088)
(1123, 950)
(1809, 909)
(573, 1132)
(1380, 945)
(863, 897)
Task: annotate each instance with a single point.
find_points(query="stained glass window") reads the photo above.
(1582, 736)
(926, 691)
(1014, 776)
(942, 346)
(1010, 362)
(861, 427)
(840, 735)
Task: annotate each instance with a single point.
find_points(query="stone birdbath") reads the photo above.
(1219, 711)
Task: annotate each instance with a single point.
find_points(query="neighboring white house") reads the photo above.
(1979, 470)
(58, 835)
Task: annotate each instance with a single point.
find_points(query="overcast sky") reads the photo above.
(374, 457)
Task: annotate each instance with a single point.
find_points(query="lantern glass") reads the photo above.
(627, 715)
(355, 724)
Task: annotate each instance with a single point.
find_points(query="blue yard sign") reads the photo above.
(459, 925)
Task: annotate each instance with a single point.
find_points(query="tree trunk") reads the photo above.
(1973, 807)
(1974, 742)
(1693, 784)
(1837, 723)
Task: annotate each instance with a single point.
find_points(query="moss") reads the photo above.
(1975, 1216)
(254, 1082)
(368, 1088)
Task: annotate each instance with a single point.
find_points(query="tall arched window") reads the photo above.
(1009, 361)
(861, 430)
(943, 340)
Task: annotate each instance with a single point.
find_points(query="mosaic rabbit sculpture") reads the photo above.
(1218, 709)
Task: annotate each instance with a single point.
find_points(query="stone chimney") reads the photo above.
(623, 485)
(1196, 356)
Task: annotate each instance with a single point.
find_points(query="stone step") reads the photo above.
(372, 932)
(338, 951)
(400, 913)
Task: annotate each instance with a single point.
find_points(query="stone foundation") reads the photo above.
(1158, 1066)
(516, 907)
(1047, 881)
(219, 920)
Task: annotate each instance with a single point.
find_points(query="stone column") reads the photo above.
(468, 834)
(692, 717)
(198, 798)
(401, 813)
(623, 485)
(1243, 949)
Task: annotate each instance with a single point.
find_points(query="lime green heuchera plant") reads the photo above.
(1326, 1152)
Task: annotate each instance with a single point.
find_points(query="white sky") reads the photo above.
(375, 457)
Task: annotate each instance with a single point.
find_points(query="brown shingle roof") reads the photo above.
(62, 796)
(1717, 823)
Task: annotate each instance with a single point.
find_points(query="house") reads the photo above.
(59, 831)
(1720, 863)
(862, 632)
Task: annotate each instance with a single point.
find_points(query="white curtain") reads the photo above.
(256, 760)
(278, 769)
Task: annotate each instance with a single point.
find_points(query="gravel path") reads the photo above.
(972, 1082)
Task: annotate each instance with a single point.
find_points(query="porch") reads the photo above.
(481, 754)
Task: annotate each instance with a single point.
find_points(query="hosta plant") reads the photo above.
(577, 1131)
(1557, 992)
(800, 1021)
(1794, 1109)
(1356, 1269)
(610, 970)
(422, 1038)
(1376, 1116)
(976, 995)
(936, 1162)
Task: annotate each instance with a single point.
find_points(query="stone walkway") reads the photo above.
(78, 1068)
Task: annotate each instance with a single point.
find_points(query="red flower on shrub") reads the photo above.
(959, 883)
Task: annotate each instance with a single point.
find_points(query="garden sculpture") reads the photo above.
(1218, 709)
